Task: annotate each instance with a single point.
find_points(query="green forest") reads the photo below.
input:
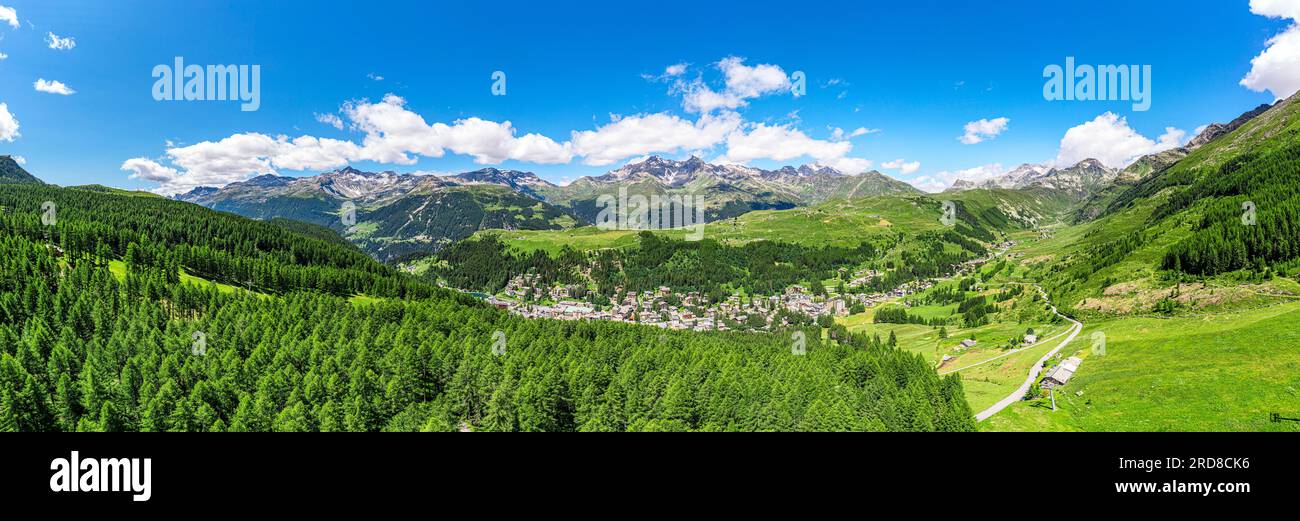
(1250, 219)
(709, 267)
(86, 348)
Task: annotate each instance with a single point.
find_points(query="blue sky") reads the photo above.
(911, 74)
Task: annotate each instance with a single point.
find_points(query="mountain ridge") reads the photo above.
(443, 208)
(13, 173)
(1079, 180)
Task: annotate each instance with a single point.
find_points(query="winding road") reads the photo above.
(1037, 368)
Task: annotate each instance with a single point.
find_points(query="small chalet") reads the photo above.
(1060, 375)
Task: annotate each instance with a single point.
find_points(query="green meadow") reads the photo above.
(1219, 372)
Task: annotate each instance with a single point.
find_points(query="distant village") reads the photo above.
(674, 310)
(670, 309)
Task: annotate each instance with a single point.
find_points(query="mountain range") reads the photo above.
(1083, 178)
(400, 214)
(1090, 180)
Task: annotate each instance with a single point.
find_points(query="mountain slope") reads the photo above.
(726, 190)
(1144, 167)
(983, 214)
(425, 223)
(1188, 282)
(395, 214)
(1226, 216)
(13, 173)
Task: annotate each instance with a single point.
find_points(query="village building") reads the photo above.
(1060, 375)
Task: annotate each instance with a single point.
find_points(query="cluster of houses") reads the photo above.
(525, 295)
(690, 310)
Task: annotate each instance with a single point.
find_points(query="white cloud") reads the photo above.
(984, 130)
(331, 120)
(393, 132)
(1173, 138)
(312, 153)
(752, 82)
(53, 87)
(847, 165)
(839, 134)
(675, 70)
(218, 163)
(698, 97)
(904, 167)
(374, 77)
(238, 157)
(785, 142)
(928, 184)
(59, 43)
(8, 14)
(20, 160)
(1276, 8)
(4, 56)
(490, 142)
(640, 135)
(942, 180)
(8, 124)
(1277, 68)
(149, 170)
(1109, 139)
(780, 143)
(742, 82)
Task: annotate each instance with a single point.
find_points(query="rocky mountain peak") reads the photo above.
(1215, 130)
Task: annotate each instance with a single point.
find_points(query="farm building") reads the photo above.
(1031, 339)
(1060, 375)
(968, 343)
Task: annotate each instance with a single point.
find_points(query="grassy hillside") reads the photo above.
(1218, 372)
(1197, 304)
(840, 222)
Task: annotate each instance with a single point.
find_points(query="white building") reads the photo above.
(1061, 374)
